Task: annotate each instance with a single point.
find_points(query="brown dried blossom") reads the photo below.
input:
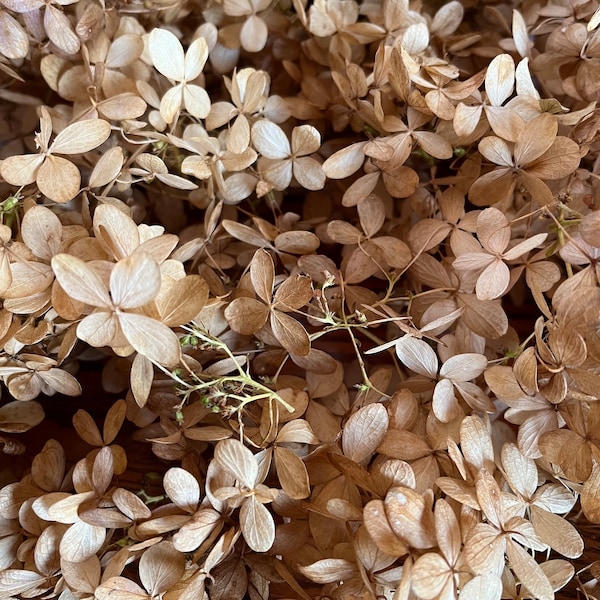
(56, 177)
(409, 413)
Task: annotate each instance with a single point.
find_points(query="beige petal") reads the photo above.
(161, 567)
(151, 338)
(254, 34)
(182, 488)
(14, 42)
(536, 138)
(81, 541)
(58, 179)
(431, 573)
(167, 55)
(257, 525)
(195, 58)
(238, 460)
(270, 140)
(410, 518)
(60, 30)
(98, 329)
(80, 281)
(364, 432)
(500, 79)
(193, 533)
(171, 102)
(309, 173)
(42, 231)
(81, 137)
(493, 281)
(328, 570)
(557, 532)
(345, 162)
(21, 169)
(134, 281)
(528, 571)
(195, 100)
(496, 150)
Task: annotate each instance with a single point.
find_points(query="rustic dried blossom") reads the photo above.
(134, 281)
(538, 154)
(170, 60)
(56, 177)
(493, 231)
(248, 315)
(410, 413)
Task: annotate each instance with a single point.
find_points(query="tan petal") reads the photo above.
(81, 137)
(431, 573)
(484, 549)
(195, 58)
(290, 333)
(262, 274)
(161, 567)
(497, 186)
(42, 230)
(379, 529)
(292, 473)
(500, 79)
(167, 55)
(364, 432)
(80, 281)
(116, 231)
(560, 160)
(410, 518)
(60, 30)
(122, 106)
(195, 100)
(557, 532)
(21, 169)
(151, 338)
(493, 281)
(134, 281)
(254, 34)
(590, 496)
(81, 541)
(58, 179)
(309, 173)
(257, 525)
(120, 587)
(536, 138)
(345, 162)
(246, 315)
(98, 329)
(293, 293)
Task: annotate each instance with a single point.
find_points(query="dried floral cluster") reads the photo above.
(290, 231)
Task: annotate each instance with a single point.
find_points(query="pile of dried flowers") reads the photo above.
(289, 232)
